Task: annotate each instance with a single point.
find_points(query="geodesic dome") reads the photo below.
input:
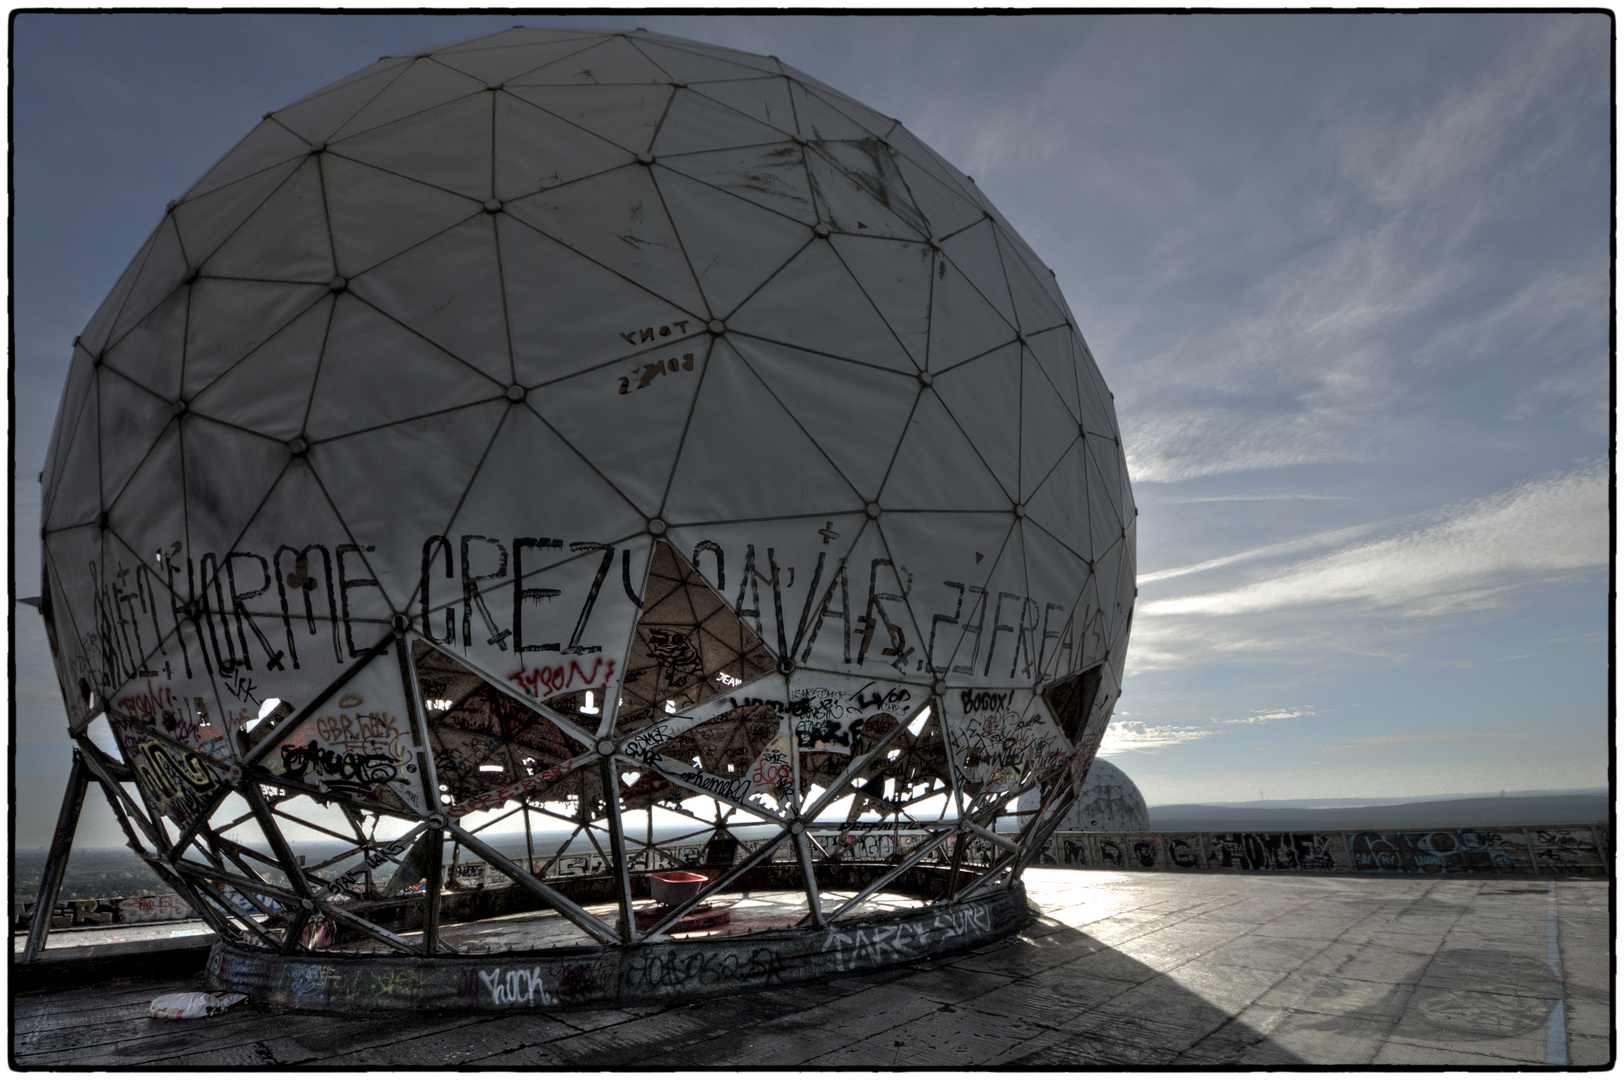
(607, 428)
(1109, 801)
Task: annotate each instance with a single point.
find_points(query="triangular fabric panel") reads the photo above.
(696, 123)
(937, 467)
(779, 312)
(76, 496)
(377, 215)
(975, 252)
(819, 121)
(950, 555)
(761, 99)
(230, 319)
(1035, 309)
(1060, 502)
(316, 117)
(727, 272)
(772, 176)
(434, 458)
(77, 554)
(525, 445)
(627, 116)
(372, 708)
(150, 511)
(1052, 574)
(1003, 649)
(506, 541)
(268, 391)
(962, 323)
(861, 622)
(1053, 351)
(131, 420)
(608, 63)
(285, 240)
(268, 145)
(228, 475)
(449, 289)
(860, 192)
(81, 381)
(859, 427)
(163, 271)
(205, 222)
(877, 125)
(1099, 414)
(732, 56)
(685, 66)
(929, 161)
(422, 86)
(984, 395)
(535, 150)
(375, 371)
(549, 286)
(497, 65)
(150, 354)
(626, 416)
(298, 533)
(618, 221)
(944, 208)
(783, 579)
(721, 473)
(95, 336)
(446, 147)
(896, 278)
(1047, 428)
(1105, 519)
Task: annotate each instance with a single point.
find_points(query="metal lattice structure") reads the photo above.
(604, 430)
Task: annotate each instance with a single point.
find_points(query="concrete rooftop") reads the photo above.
(1148, 969)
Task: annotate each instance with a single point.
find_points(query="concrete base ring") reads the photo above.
(612, 974)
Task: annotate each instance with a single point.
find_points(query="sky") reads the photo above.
(1347, 276)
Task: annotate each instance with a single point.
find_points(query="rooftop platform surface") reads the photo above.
(1131, 969)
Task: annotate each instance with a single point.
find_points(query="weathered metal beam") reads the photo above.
(56, 860)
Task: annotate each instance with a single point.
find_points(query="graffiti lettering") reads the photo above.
(544, 682)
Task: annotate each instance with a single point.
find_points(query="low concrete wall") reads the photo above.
(1530, 849)
(116, 909)
(1534, 849)
(607, 974)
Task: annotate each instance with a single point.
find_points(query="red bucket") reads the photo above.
(675, 886)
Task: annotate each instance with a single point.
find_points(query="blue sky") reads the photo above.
(1347, 276)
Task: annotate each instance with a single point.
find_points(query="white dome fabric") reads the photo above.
(1109, 802)
(633, 383)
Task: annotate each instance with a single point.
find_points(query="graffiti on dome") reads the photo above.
(352, 753)
(997, 743)
(647, 373)
(251, 617)
(545, 681)
(180, 783)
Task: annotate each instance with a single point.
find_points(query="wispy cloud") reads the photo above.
(1469, 559)
(1268, 551)
(1126, 736)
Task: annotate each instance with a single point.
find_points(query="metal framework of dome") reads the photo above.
(610, 430)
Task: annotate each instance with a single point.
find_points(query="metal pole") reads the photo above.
(56, 860)
(431, 884)
(617, 847)
(529, 842)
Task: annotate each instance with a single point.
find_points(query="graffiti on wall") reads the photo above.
(1438, 851)
(1271, 851)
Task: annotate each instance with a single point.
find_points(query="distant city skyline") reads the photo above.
(1347, 275)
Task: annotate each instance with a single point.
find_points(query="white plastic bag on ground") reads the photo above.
(191, 1006)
